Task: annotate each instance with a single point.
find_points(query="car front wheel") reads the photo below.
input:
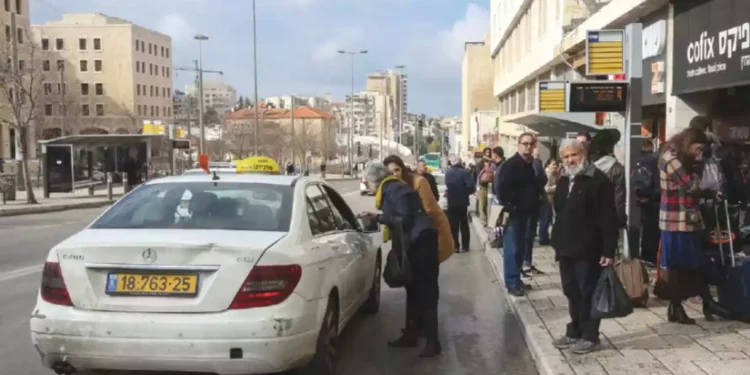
(372, 304)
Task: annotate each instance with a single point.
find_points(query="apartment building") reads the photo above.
(476, 89)
(20, 10)
(220, 96)
(314, 101)
(542, 40)
(392, 83)
(106, 75)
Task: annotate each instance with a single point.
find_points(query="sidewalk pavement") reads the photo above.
(58, 202)
(642, 343)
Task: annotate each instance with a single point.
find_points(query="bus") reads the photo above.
(433, 161)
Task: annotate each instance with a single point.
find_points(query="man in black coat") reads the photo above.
(520, 196)
(422, 170)
(584, 237)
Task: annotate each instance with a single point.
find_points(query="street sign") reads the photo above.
(605, 50)
(598, 96)
(551, 96)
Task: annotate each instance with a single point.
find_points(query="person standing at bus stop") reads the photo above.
(485, 177)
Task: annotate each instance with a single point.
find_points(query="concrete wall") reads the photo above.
(476, 85)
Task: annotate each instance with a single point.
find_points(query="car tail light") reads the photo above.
(53, 286)
(267, 286)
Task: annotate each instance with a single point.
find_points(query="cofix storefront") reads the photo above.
(711, 62)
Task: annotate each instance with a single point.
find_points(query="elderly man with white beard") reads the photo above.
(584, 237)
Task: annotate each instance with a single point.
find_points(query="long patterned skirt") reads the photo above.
(682, 260)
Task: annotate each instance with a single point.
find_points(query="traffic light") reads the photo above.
(359, 149)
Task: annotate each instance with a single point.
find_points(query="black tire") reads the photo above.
(363, 193)
(372, 304)
(324, 360)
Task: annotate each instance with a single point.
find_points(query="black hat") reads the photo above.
(604, 141)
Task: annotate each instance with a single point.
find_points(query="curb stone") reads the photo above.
(42, 209)
(548, 359)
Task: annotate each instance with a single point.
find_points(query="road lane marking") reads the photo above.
(348, 193)
(20, 272)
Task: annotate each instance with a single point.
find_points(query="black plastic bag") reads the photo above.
(610, 299)
(397, 272)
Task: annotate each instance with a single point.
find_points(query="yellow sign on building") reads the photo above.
(605, 52)
(153, 127)
(551, 96)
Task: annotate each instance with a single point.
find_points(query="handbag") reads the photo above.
(610, 300)
(397, 272)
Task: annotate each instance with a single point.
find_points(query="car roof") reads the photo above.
(272, 179)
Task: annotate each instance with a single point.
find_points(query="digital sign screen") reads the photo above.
(598, 96)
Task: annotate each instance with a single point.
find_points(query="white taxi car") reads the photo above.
(214, 273)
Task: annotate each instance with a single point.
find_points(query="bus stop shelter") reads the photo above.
(58, 156)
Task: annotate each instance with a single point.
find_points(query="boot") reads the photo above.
(432, 346)
(419, 323)
(710, 307)
(680, 316)
(408, 337)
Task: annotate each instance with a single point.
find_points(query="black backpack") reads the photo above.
(645, 183)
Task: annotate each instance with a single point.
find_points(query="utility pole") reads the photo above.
(400, 103)
(351, 113)
(255, 77)
(189, 106)
(201, 111)
(199, 87)
(20, 137)
(293, 137)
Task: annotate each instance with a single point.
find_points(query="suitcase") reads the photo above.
(734, 284)
(634, 277)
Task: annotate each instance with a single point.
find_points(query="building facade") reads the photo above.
(219, 96)
(394, 84)
(20, 10)
(476, 87)
(106, 75)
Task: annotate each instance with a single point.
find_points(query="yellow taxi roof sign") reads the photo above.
(258, 164)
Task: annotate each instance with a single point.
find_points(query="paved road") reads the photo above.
(479, 334)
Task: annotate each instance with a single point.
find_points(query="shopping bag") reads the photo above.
(610, 299)
(397, 271)
(712, 178)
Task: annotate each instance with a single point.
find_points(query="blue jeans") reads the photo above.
(528, 245)
(545, 221)
(514, 248)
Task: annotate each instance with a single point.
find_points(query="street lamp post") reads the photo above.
(200, 38)
(255, 78)
(351, 112)
(400, 103)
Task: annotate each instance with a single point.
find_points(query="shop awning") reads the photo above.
(558, 124)
(98, 140)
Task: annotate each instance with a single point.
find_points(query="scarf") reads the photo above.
(379, 203)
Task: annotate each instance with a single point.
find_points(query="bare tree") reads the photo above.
(22, 93)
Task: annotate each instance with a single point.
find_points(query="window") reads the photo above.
(152, 111)
(62, 88)
(151, 69)
(84, 65)
(19, 35)
(203, 205)
(167, 72)
(85, 110)
(169, 111)
(97, 44)
(97, 65)
(59, 44)
(7, 5)
(341, 209)
(143, 46)
(139, 109)
(60, 65)
(167, 52)
(137, 45)
(149, 48)
(164, 92)
(45, 44)
(8, 35)
(157, 111)
(138, 89)
(21, 65)
(46, 65)
(137, 67)
(99, 87)
(151, 91)
(48, 109)
(169, 92)
(322, 209)
(18, 6)
(84, 88)
(82, 44)
(100, 109)
(163, 71)
(62, 109)
(47, 88)
(162, 51)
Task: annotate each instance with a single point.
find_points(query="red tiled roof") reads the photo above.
(279, 113)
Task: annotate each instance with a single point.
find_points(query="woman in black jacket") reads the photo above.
(402, 212)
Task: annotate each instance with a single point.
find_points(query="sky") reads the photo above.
(298, 42)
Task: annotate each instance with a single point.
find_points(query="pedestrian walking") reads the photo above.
(584, 238)
(401, 206)
(422, 170)
(681, 224)
(546, 216)
(484, 178)
(458, 187)
(519, 194)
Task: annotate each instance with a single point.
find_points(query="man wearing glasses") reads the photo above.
(519, 194)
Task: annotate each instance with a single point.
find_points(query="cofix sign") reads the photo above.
(711, 44)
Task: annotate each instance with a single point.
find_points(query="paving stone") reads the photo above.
(724, 367)
(732, 355)
(723, 342)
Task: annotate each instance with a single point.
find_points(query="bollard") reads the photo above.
(91, 190)
(125, 184)
(109, 186)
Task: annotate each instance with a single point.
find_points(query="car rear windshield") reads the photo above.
(202, 205)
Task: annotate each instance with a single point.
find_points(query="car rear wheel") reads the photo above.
(324, 361)
(372, 304)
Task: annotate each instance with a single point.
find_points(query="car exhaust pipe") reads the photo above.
(63, 368)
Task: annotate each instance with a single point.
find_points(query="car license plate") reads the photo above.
(152, 284)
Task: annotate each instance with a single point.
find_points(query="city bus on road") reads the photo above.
(433, 161)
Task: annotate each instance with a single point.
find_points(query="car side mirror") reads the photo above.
(368, 226)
